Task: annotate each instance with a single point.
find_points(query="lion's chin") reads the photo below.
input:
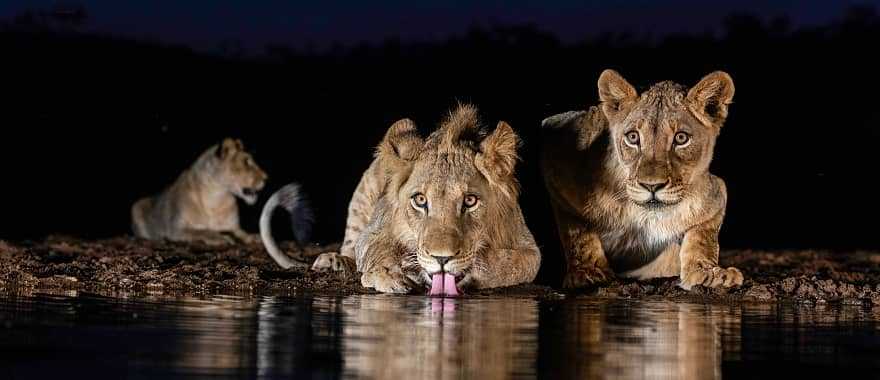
(443, 285)
(655, 204)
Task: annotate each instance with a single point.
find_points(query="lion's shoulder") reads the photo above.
(586, 125)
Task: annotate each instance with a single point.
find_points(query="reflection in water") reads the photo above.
(638, 340)
(44, 336)
(298, 337)
(440, 338)
(206, 349)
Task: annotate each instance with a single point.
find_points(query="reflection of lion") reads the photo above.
(200, 204)
(441, 211)
(671, 340)
(483, 339)
(630, 185)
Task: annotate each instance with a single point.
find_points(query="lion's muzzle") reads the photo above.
(440, 247)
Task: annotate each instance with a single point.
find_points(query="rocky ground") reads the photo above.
(125, 266)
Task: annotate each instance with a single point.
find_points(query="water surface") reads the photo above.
(378, 336)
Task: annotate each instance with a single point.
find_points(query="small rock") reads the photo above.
(789, 284)
(760, 293)
(806, 290)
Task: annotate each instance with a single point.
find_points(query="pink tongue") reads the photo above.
(449, 285)
(436, 285)
(443, 284)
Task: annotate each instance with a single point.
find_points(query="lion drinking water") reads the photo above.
(439, 212)
(630, 185)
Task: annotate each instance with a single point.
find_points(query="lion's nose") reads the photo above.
(442, 260)
(653, 187)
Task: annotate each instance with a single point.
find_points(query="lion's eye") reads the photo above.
(632, 137)
(470, 201)
(420, 201)
(682, 138)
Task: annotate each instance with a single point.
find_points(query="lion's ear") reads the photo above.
(497, 156)
(228, 146)
(402, 142)
(708, 99)
(614, 91)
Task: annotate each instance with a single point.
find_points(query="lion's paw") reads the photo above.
(333, 262)
(387, 281)
(711, 276)
(217, 239)
(579, 276)
(242, 237)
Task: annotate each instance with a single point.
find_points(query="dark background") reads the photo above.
(92, 120)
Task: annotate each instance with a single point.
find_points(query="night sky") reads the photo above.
(115, 99)
(204, 25)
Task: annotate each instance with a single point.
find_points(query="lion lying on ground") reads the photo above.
(630, 186)
(440, 212)
(200, 205)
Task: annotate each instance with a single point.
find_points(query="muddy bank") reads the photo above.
(132, 266)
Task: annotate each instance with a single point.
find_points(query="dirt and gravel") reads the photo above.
(126, 266)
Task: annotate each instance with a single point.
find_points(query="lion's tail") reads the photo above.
(292, 199)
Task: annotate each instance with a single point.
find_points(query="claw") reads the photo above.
(332, 261)
(386, 281)
(711, 276)
(581, 276)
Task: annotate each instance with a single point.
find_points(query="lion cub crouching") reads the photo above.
(439, 212)
(630, 185)
(200, 205)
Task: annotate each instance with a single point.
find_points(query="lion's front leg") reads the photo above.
(244, 237)
(381, 267)
(334, 262)
(585, 261)
(209, 237)
(504, 267)
(387, 279)
(699, 258)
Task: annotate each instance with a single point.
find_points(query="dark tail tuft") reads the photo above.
(294, 200)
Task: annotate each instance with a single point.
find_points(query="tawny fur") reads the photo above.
(393, 243)
(600, 183)
(200, 205)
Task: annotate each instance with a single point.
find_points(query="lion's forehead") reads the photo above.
(663, 101)
(445, 169)
(664, 94)
(237, 164)
(655, 119)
